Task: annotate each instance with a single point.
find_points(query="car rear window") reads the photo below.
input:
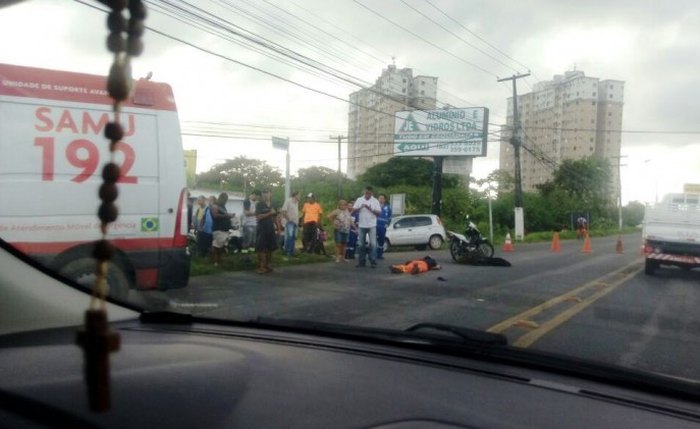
(422, 221)
(405, 223)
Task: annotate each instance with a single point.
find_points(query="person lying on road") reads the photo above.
(416, 266)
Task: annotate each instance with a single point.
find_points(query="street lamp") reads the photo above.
(283, 144)
(490, 212)
(656, 182)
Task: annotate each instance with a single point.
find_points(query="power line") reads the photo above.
(458, 37)
(479, 37)
(185, 18)
(285, 51)
(335, 75)
(265, 71)
(382, 61)
(338, 56)
(265, 43)
(689, 132)
(351, 46)
(265, 126)
(259, 137)
(425, 40)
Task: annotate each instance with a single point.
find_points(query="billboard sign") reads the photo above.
(441, 132)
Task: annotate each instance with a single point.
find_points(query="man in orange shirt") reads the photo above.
(311, 212)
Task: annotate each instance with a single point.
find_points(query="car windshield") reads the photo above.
(522, 168)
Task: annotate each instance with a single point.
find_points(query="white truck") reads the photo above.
(671, 232)
(52, 148)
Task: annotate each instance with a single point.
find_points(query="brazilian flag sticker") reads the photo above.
(149, 224)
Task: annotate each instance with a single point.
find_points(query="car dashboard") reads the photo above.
(218, 375)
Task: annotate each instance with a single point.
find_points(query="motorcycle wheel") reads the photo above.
(486, 249)
(456, 250)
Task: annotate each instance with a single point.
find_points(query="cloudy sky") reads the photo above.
(651, 45)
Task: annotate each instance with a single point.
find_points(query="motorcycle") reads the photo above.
(233, 241)
(191, 249)
(471, 244)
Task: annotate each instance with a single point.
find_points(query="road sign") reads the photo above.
(280, 143)
(441, 132)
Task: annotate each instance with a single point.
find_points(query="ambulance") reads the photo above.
(52, 149)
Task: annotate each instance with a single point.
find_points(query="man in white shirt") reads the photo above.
(368, 209)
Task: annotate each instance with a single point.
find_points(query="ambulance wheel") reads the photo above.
(82, 270)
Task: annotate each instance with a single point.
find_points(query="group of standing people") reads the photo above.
(359, 224)
(260, 228)
(212, 223)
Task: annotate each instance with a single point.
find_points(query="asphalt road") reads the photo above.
(597, 305)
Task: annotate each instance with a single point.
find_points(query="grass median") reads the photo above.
(249, 261)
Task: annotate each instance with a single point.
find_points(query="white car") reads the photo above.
(420, 230)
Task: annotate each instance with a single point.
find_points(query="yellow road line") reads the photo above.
(502, 326)
(529, 338)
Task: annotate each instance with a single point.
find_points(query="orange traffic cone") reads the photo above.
(556, 245)
(586, 244)
(618, 245)
(508, 245)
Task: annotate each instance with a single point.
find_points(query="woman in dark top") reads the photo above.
(266, 239)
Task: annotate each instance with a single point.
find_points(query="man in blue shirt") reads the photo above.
(383, 221)
(205, 230)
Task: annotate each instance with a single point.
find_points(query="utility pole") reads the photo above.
(516, 141)
(340, 177)
(619, 189)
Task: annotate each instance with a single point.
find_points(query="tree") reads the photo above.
(503, 179)
(405, 171)
(317, 174)
(589, 179)
(581, 185)
(633, 213)
(241, 173)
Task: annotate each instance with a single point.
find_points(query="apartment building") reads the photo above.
(570, 117)
(371, 115)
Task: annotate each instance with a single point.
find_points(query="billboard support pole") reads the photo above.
(437, 184)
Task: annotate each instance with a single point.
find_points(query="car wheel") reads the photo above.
(82, 271)
(435, 242)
